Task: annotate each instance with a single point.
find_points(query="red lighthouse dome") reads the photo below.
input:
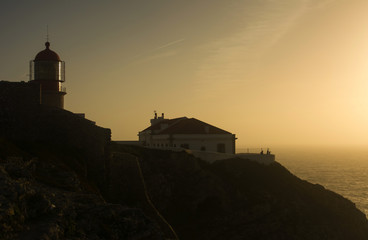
(47, 54)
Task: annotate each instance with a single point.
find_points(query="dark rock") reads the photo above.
(31, 209)
(241, 199)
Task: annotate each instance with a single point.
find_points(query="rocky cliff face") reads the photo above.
(240, 199)
(43, 198)
(154, 194)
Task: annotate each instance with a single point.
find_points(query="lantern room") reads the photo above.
(49, 71)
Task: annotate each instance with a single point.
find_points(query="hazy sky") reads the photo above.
(273, 72)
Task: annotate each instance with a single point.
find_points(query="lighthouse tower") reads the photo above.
(49, 71)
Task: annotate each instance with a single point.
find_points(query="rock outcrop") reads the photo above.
(242, 199)
(47, 200)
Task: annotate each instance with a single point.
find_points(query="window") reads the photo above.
(185, 145)
(221, 148)
(203, 148)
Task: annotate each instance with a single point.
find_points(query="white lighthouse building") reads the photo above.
(186, 133)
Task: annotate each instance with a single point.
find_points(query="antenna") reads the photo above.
(47, 33)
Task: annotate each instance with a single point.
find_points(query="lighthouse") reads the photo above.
(49, 72)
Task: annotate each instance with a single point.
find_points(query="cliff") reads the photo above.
(242, 199)
(62, 178)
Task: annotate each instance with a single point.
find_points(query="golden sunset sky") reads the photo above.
(274, 72)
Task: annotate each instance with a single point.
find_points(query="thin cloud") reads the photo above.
(238, 55)
(155, 53)
(319, 3)
(234, 60)
(157, 56)
(168, 44)
(152, 54)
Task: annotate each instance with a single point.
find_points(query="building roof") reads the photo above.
(184, 125)
(157, 127)
(47, 54)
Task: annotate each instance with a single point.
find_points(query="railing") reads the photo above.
(62, 89)
(253, 150)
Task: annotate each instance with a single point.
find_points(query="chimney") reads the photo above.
(157, 119)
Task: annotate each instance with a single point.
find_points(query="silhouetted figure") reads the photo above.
(261, 151)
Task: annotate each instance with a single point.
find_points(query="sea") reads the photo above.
(343, 170)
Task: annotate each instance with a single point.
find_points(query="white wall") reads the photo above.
(194, 141)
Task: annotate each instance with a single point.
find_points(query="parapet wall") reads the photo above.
(215, 156)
